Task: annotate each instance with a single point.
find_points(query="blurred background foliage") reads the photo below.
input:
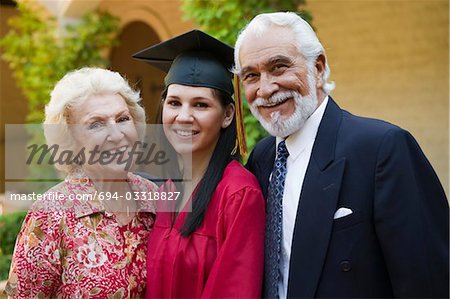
(224, 19)
(40, 52)
(9, 229)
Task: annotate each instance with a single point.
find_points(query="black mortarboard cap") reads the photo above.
(193, 58)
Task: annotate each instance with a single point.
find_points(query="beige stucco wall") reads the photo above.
(144, 23)
(165, 17)
(390, 60)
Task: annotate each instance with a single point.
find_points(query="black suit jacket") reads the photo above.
(395, 243)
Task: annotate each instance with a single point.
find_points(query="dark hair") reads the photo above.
(224, 152)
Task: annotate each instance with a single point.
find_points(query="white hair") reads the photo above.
(307, 42)
(72, 90)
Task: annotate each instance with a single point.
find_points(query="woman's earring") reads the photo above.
(226, 123)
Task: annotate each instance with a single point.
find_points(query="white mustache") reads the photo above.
(274, 99)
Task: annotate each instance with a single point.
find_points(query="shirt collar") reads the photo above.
(298, 141)
(79, 183)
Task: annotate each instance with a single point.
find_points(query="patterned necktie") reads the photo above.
(274, 223)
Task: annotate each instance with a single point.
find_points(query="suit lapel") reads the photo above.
(265, 164)
(318, 201)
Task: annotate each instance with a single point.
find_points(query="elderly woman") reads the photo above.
(93, 248)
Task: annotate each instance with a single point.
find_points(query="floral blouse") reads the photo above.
(75, 249)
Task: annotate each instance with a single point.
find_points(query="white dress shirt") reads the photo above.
(299, 145)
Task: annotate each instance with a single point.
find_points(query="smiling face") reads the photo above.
(193, 118)
(103, 124)
(281, 86)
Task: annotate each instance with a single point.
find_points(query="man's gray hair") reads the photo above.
(307, 42)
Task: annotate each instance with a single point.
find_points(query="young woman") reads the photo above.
(216, 250)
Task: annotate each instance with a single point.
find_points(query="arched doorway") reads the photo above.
(134, 37)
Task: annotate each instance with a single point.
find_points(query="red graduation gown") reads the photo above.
(224, 257)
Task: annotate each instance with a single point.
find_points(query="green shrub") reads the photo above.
(10, 225)
(5, 262)
(40, 52)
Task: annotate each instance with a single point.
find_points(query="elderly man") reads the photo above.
(354, 209)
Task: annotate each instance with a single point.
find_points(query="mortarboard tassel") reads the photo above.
(240, 140)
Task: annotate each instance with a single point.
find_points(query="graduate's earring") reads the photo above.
(226, 123)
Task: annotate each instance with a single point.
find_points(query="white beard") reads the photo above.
(304, 107)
